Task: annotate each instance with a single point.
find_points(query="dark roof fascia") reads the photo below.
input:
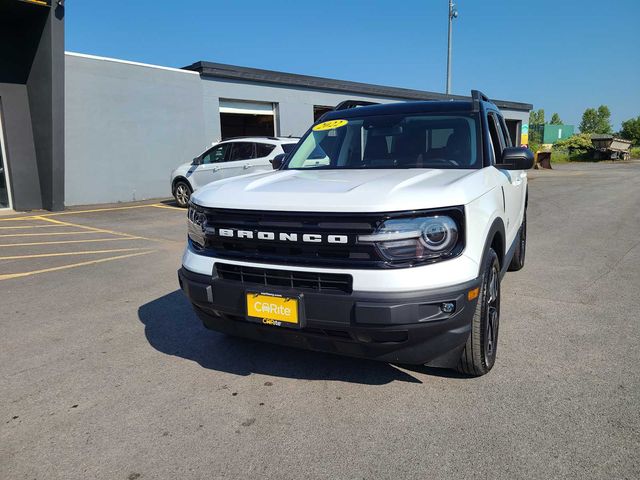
(400, 108)
(221, 70)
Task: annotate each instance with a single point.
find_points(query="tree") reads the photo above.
(631, 130)
(555, 119)
(536, 126)
(536, 118)
(596, 121)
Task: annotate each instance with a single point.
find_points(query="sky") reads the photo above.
(563, 56)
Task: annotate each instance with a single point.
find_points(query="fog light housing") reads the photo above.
(448, 307)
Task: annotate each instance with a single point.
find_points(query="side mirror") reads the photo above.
(516, 158)
(278, 161)
(197, 161)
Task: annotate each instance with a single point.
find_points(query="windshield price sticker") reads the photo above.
(330, 125)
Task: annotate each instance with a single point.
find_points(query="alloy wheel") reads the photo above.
(492, 312)
(182, 194)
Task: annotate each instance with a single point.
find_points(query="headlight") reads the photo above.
(421, 238)
(196, 220)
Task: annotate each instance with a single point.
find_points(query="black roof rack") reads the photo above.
(268, 137)
(476, 97)
(353, 104)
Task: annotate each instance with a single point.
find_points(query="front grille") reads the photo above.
(318, 282)
(349, 254)
(276, 250)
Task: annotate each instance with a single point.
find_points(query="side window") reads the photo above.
(241, 151)
(216, 154)
(505, 132)
(288, 147)
(264, 149)
(497, 140)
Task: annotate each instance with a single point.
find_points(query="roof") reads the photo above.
(262, 139)
(401, 108)
(220, 70)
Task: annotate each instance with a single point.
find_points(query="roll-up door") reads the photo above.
(246, 119)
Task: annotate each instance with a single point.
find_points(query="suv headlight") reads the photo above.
(196, 220)
(416, 239)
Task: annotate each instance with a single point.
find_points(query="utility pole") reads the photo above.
(453, 13)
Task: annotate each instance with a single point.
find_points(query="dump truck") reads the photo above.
(608, 147)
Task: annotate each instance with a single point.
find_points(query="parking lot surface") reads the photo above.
(105, 372)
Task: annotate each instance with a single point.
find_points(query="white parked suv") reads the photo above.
(229, 158)
(384, 234)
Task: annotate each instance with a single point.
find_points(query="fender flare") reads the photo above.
(497, 227)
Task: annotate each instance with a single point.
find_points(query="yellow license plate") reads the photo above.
(272, 309)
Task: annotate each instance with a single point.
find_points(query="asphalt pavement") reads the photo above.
(106, 373)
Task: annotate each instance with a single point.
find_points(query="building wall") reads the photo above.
(21, 161)
(32, 102)
(129, 125)
(295, 105)
(520, 119)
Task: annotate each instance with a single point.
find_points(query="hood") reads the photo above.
(345, 190)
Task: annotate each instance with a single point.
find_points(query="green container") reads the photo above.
(553, 133)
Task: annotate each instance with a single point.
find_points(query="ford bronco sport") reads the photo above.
(384, 234)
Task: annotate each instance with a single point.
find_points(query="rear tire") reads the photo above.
(517, 262)
(479, 353)
(182, 193)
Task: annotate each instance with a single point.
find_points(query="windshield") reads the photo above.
(390, 141)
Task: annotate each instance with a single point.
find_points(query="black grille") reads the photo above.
(300, 253)
(319, 282)
(347, 255)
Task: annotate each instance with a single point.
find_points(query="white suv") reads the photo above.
(384, 234)
(229, 158)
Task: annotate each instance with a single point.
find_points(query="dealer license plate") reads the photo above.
(273, 309)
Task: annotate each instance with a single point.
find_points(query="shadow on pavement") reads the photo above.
(172, 327)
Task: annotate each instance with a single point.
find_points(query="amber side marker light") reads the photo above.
(473, 294)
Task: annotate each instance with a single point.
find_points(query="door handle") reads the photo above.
(245, 167)
(215, 169)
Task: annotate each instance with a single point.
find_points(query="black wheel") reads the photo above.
(517, 262)
(182, 193)
(479, 353)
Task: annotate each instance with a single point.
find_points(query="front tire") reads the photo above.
(479, 353)
(182, 193)
(517, 262)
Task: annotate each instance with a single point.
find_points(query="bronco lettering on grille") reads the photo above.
(278, 236)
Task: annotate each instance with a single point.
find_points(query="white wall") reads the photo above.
(127, 127)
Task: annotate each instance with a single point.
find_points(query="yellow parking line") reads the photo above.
(94, 229)
(9, 276)
(30, 244)
(17, 227)
(159, 205)
(74, 212)
(62, 254)
(84, 232)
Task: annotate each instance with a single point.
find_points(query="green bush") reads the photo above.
(577, 148)
(534, 147)
(635, 152)
(577, 145)
(560, 156)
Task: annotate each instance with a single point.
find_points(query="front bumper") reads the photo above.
(399, 327)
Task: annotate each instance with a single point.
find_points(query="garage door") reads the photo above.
(241, 119)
